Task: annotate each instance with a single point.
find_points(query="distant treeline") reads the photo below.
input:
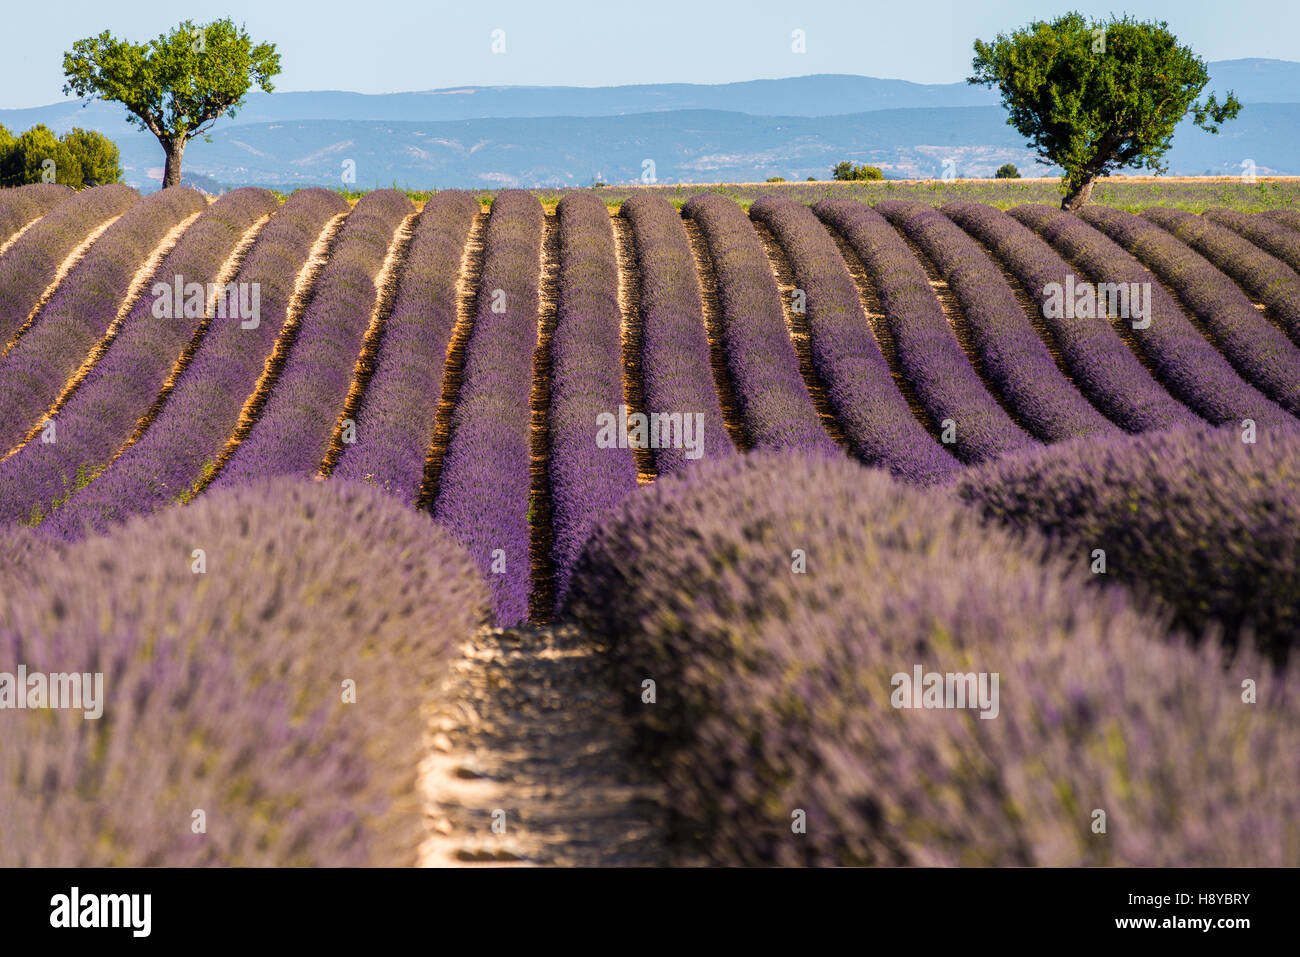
(78, 158)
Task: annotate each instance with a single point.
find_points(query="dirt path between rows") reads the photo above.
(530, 760)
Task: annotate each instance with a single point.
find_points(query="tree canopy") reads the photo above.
(1095, 97)
(847, 170)
(77, 158)
(175, 86)
(96, 154)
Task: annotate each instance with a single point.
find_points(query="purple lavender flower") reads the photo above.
(82, 309)
(265, 655)
(787, 728)
(484, 486)
(200, 413)
(1259, 351)
(929, 354)
(586, 479)
(1198, 518)
(860, 389)
(1101, 366)
(1013, 355)
(774, 402)
(29, 266)
(1185, 361)
(396, 419)
(675, 366)
(24, 205)
(292, 434)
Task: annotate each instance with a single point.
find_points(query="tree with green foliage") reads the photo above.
(175, 86)
(1007, 171)
(38, 156)
(847, 171)
(1095, 97)
(97, 155)
(77, 158)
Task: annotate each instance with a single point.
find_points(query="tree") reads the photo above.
(1007, 171)
(77, 158)
(96, 154)
(7, 143)
(37, 156)
(847, 170)
(1097, 97)
(175, 86)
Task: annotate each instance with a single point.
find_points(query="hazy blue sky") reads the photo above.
(380, 46)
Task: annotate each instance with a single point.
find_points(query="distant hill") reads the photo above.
(824, 95)
(564, 136)
(685, 146)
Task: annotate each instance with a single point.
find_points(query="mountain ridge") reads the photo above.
(392, 141)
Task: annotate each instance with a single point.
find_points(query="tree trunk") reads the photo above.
(174, 149)
(1080, 195)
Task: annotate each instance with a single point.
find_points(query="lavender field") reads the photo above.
(852, 525)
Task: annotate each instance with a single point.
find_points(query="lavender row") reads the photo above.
(396, 417)
(120, 387)
(1258, 350)
(773, 398)
(203, 408)
(22, 205)
(1103, 368)
(1196, 518)
(484, 486)
(588, 474)
(29, 266)
(1261, 255)
(1187, 364)
(1268, 234)
(860, 388)
(239, 673)
(83, 308)
(779, 691)
(1013, 354)
(1288, 218)
(931, 358)
(676, 368)
(293, 433)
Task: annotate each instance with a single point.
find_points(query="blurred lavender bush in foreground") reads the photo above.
(224, 690)
(1195, 517)
(774, 687)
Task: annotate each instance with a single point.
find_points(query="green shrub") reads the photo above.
(848, 171)
(78, 158)
(97, 155)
